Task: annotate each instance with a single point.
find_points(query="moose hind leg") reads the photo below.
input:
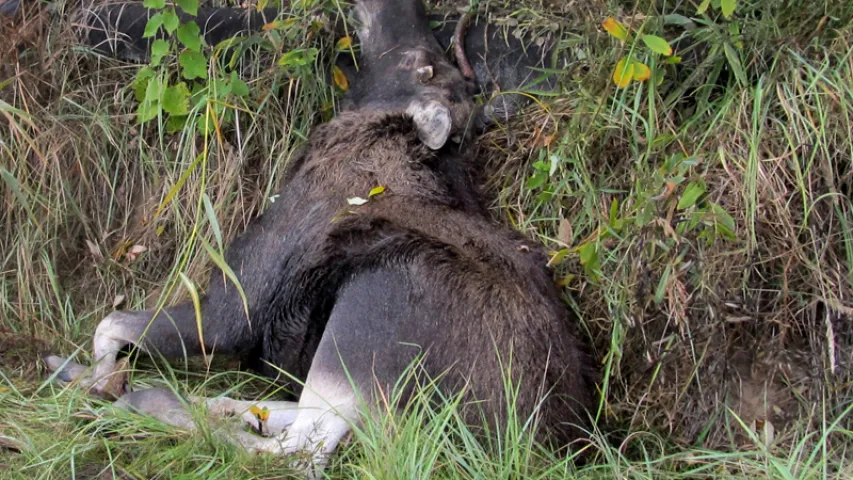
(328, 408)
(282, 414)
(363, 343)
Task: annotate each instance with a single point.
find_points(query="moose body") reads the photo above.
(345, 297)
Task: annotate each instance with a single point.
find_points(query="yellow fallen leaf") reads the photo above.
(339, 78)
(274, 25)
(558, 257)
(641, 71)
(623, 73)
(344, 43)
(262, 414)
(615, 28)
(376, 191)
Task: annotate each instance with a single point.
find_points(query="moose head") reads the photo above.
(403, 68)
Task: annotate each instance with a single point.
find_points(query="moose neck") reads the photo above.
(391, 24)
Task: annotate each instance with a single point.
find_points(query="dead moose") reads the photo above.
(343, 297)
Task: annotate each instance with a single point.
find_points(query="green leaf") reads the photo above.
(174, 125)
(542, 166)
(147, 112)
(199, 95)
(189, 6)
(155, 4)
(211, 218)
(703, 7)
(614, 210)
(190, 35)
(205, 124)
(298, 58)
(153, 25)
(536, 180)
(193, 65)
(728, 7)
(196, 299)
(170, 20)
(219, 88)
(657, 44)
(680, 20)
(176, 100)
(159, 49)
(238, 86)
(723, 222)
(734, 62)
(589, 258)
(660, 291)
(545, 195)
(154, 90)
(140, 83)
(691, 194)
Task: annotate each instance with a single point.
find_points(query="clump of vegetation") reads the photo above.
(698, 211)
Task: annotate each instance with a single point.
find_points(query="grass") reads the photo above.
(721, 320)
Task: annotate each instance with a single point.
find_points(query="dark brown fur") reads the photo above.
(489, 292)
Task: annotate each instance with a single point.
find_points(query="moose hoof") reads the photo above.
(110, 388)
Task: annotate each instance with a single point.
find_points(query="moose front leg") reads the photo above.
(115, 332)
(166, 406)
(173, 333)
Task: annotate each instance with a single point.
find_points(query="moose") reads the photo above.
(343, 296)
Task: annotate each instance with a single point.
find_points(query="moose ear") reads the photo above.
(433, 122)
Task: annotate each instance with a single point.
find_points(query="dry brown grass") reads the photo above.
(759, 326)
